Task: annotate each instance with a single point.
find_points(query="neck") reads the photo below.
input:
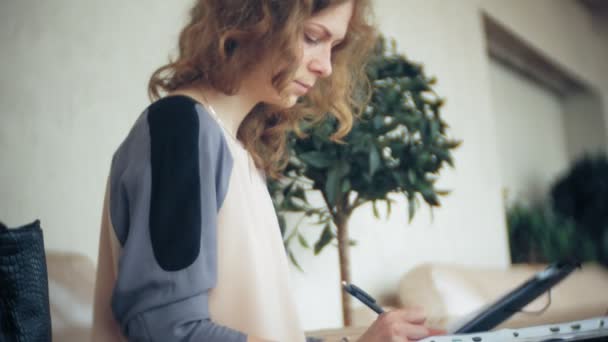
(230, 109)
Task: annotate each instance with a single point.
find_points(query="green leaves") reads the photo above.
(326, 236)
(539, 234)
(316, 159)
(411, 207)
(294, 261)
(302, 241)
(374, 160)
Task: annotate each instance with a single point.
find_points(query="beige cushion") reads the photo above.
(71, 284)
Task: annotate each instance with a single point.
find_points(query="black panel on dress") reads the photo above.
(175, 204)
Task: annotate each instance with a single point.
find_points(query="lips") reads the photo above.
(304, 87)
(307, 86)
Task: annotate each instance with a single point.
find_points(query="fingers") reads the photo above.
(413, 315)
(408, 324)
(398, 326)
(435, 332)
(414, 332)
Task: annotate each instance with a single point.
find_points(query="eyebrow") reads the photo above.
(328, 33)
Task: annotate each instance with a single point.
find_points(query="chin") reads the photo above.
(284, 103)
(291, 101)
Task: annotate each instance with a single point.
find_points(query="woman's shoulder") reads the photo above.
(174, 120)
(181, 108)
(173, 104)
(177, 115)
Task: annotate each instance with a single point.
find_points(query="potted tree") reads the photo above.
(398, 145)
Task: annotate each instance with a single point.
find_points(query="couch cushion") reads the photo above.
(71, 286)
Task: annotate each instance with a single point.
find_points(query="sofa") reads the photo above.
(446, 292)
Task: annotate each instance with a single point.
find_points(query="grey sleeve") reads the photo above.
(168, 181)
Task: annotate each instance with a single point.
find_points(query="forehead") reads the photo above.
(334, 18)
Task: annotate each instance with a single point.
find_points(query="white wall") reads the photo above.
(540, 133)
(584, 124)
(531, 136)
(563, 31)
(74, 76)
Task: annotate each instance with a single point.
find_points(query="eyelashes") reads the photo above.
(313, 39)
(310, 39)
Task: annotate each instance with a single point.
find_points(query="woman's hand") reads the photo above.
(397, 326)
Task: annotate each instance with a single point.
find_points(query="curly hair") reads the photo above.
(215, 50)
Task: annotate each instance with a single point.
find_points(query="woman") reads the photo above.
(190, 248)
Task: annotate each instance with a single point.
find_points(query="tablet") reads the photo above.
(518, 298)
(588, 330)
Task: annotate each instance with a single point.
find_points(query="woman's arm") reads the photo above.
(168, 181)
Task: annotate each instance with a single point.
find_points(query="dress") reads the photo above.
(190, 247)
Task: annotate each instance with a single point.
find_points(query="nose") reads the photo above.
(320, 64)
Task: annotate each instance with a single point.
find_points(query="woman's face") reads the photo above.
(322, 32)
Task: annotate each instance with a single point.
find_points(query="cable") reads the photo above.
(540, 311)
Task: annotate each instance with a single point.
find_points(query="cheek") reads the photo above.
(307, 53)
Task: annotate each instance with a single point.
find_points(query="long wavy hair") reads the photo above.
(216, 49)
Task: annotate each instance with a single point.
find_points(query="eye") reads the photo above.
(311, 39)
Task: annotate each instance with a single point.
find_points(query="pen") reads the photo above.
(362, 296)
